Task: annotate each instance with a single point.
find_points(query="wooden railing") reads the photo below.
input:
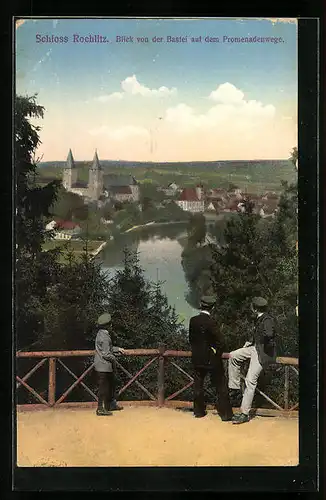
(163, 356)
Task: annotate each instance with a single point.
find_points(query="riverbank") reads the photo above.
(154, 224)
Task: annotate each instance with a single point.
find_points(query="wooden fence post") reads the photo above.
(286, 388)
(52, 381)
(160, 378)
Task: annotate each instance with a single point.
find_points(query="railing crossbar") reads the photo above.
(265, 396)
(189, 376)
(76, 378)
(175, 394)
(68, 391)
(136, 381)
(32, 391)
(33, 370)
(133, 379)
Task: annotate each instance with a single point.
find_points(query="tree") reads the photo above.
(294, 157)
(141, 317)
(69, 206)
(32, 209)
(196, 229)
(77, 296)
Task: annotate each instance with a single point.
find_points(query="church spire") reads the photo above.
(70, 160)
(96, 163)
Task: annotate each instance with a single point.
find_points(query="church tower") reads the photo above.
(95, 183)
(69, 175)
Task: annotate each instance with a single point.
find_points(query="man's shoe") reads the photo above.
(200, 415)
(103, 412)
(241, 418)
(116, 408)
(228, 418)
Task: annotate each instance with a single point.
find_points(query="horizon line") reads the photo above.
(168, 162)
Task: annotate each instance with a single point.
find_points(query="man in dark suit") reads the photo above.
(260, 350)
(207, 348)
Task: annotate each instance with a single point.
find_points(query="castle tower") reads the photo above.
(69, 174)
(95, 183)
(135, 189)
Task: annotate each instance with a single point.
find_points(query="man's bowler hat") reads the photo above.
(207, 301)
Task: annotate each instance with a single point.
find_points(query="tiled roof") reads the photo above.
(111, 180)
(188, 194)
(79, 184)
(66, 224)
(120, 190)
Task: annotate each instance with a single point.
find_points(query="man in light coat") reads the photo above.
(105, 366)
(260, 350)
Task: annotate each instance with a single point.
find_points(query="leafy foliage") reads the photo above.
(196, 229)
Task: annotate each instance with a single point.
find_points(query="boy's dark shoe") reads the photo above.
(103, 412)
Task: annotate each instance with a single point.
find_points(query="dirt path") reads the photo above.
(147, 436)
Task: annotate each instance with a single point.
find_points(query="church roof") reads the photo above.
(79, 184)
(70, 160)
(96, 163)
(113, 180)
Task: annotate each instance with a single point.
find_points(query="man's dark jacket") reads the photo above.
(264, 339)
(203, 335)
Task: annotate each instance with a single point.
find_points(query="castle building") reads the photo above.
(115, 187)
(121, 188)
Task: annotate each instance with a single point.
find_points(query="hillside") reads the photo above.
(254, 176)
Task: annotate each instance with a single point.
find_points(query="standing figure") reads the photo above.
(261, 350)
(207, 348)
(105, 366)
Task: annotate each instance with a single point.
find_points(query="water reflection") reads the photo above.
(159, 249)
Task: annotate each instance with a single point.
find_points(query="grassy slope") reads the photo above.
(74, 245)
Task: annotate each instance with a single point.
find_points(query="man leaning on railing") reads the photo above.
(261, 350)
(105, 366)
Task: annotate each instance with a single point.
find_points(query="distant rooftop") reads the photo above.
(189, 194)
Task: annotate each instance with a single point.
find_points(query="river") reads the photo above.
(159, 249)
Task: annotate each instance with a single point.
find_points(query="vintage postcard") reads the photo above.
(157, 243)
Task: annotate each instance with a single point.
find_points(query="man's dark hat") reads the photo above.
(207, 301)
(259, 302)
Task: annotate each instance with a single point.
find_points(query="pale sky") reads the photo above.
(161, 101)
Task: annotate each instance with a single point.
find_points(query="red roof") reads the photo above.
(232, 206)
(66, 224)
(189, 194)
